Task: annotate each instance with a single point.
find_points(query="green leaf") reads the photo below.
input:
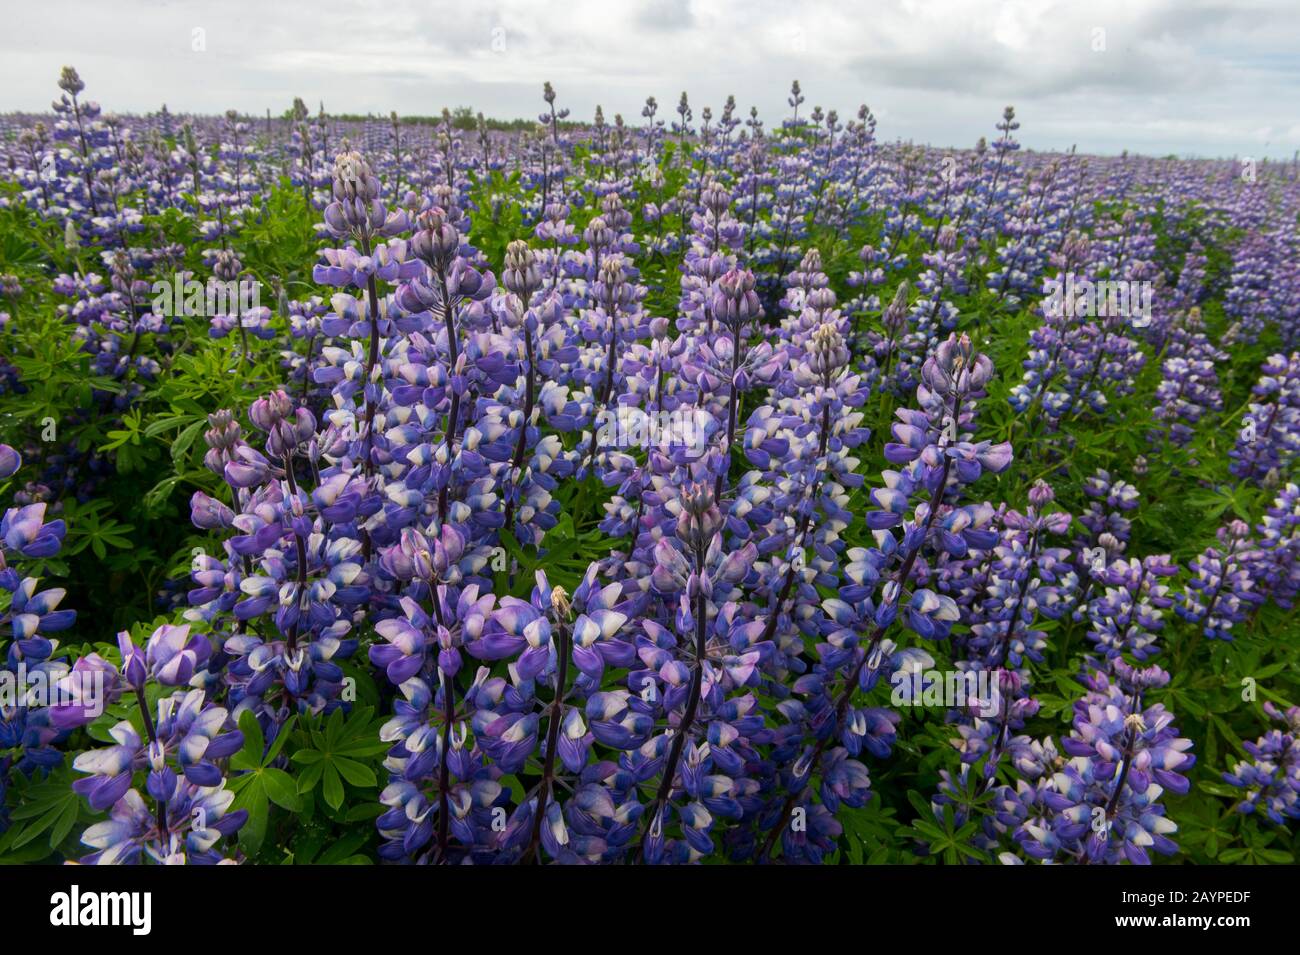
(48, 808)
(311, 776)
(333, 787)
(1276, 856)
(252, 798)
(281, 788)
(333, 730)
(920, 804)
(354, 772)
(250, 755)
(365, 812)
(281, 738)
(183, 441)
(343, 849)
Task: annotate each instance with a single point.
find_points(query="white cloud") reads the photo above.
(1210, 77)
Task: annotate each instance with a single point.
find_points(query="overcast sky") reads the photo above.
(1194, 77)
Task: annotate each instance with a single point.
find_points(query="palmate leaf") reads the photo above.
(45, 816)
(281, 788)
(333, 788)
(261, 783)
(250, 795)
(337, 750)
(250, 754)
(1186, 496)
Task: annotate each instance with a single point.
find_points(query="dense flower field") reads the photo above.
(700, 487)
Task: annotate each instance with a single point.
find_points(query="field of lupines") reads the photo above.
(694, 487)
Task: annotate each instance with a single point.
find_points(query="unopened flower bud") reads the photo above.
(896, 313)
(521, 274)
(436, 241)
(560, 603)
(70, 81)
(227, 266)
(715, 199)
(1041, 494)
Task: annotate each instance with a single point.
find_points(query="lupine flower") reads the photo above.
(1269, 438)
(1221, 591)
(1272, 781)
(1103, 806)
(711, 685)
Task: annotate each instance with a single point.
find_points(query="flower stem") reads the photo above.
(160, 808)
(846, 695)
(554, 719)
(688, 717)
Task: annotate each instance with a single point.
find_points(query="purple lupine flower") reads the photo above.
(1027, 577)
(10, 461)
(191, 735)
(1190, 386)
(24, 532)
(1275, 562)
(1269, 437)
(1221, 591)
(1103, 806)
(1272, 781)
(1129, 615)
(934, 456)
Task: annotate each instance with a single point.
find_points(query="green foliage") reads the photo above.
(47, 815)
(312, 792)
